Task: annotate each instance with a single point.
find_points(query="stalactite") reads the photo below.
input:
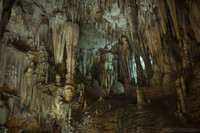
(140, 76)
(10, 56)
(194, 8)
(58, 39)
(172, 8)
(121, 5)
(108, 76)
(72, 13)
(162, 15)
(131, 19)
(195, 26)
(11, 75)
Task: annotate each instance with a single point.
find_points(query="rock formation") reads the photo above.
(58, 57)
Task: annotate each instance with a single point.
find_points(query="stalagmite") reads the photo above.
(68, 92)
(58, 79)
(140, 96)
(58, 103)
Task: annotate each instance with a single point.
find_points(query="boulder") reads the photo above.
(117, 88)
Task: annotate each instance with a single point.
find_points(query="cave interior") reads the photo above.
(99, 66)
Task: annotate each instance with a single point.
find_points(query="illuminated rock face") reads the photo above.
(48, 49)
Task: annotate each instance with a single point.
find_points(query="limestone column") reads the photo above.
(72, 37)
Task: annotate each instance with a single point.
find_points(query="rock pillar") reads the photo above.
(72, 37)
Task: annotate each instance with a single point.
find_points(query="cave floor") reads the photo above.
(121, 114)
